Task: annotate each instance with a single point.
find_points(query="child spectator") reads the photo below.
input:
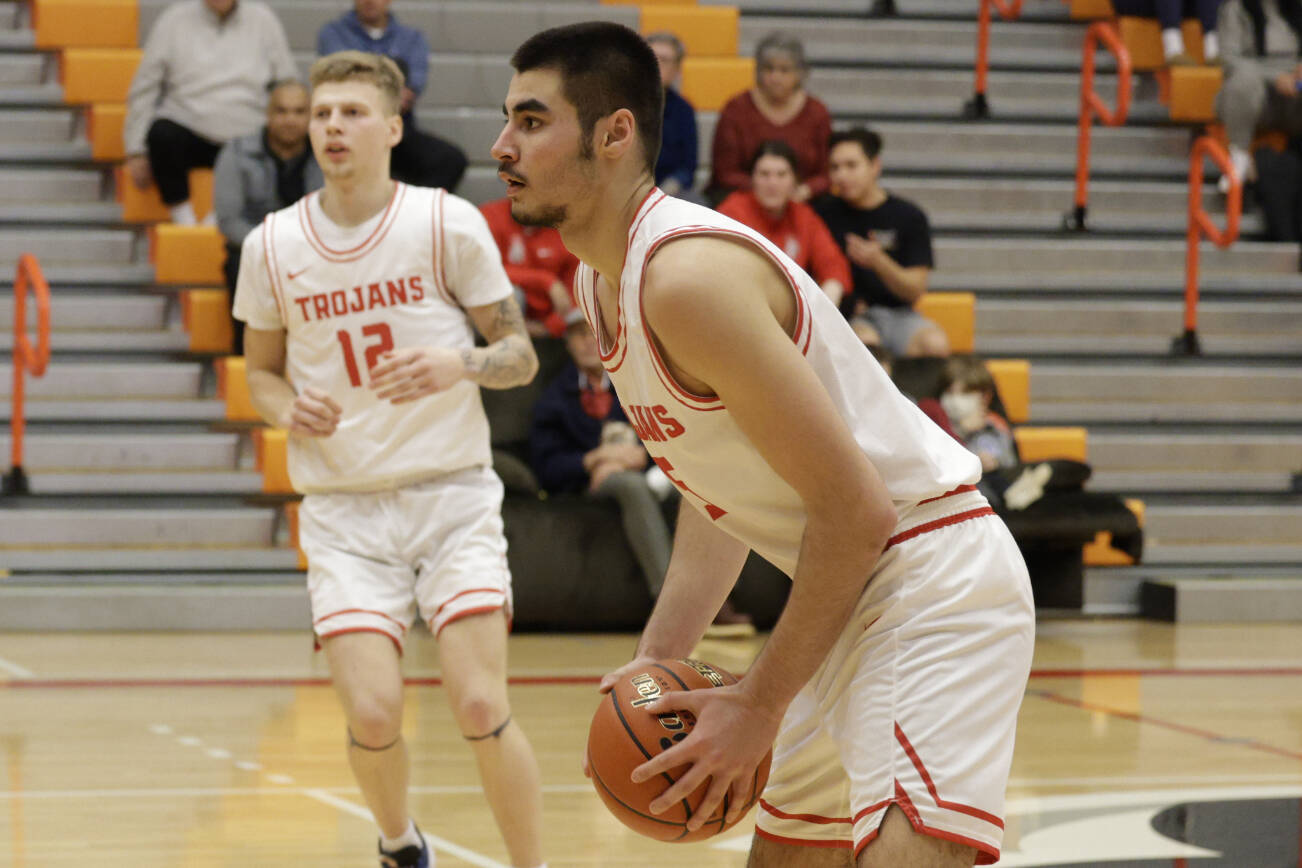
(539, 266)
(888, 242)
(778, 107)
(421, 158)
(770, 208)
(261, 173)
(969, 392)
(202, 80)
(679, 146)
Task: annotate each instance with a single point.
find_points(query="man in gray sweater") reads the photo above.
(202, 80)
(263, 172)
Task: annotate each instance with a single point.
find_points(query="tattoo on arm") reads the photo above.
(509, 359)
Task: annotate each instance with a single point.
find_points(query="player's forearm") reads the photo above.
(271, 395)
(837, 555)
(702, 571)
(503, 364)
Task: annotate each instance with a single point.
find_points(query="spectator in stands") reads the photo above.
(888, 242)
(263, 172)
(679, 147)
(421, 158)
(770, 208)
(969, 393)
(778, 107)
(202, 81)
(539, 266)
(580, 441)
(1170, 13)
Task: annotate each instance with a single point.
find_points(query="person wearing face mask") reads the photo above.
(969, 392)
(770, 208)
(778, 107)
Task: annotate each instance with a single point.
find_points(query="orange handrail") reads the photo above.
(1009, 9)
(26, 359)
(1092, 105)
(1200, 224)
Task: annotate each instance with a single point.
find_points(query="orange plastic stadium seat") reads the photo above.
(1013, 380)
(1087, 10)
(104, 122)
(233, 389)
(706, 31)
(1143, 39)
(1043, 444)
(187, 254)
(145, 206)
(1193, 91)
(1100, 552)
(85, 23)
(291, 518)
(955, 313)
(709, 82)
(97, 74)
(206, 314)
(271, 451)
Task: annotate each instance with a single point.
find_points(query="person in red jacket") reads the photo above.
(778, 107)
(538, 265)
(770, 208)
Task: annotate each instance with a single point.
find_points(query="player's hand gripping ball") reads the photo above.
(624, 735)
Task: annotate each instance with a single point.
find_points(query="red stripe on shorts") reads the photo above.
(449, 600)
(931, 787)
(807, 818)
(960, 490)
(986, 854)
(466, 614)
(395, 622)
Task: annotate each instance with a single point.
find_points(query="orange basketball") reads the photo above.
(624, 735)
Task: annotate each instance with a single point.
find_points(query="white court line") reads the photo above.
(1157, 780)
(15, 670)
(440, 844)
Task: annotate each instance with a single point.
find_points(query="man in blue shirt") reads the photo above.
(420, 158)
(676, 168)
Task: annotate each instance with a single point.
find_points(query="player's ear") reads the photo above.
(395, 130)
(616, 133)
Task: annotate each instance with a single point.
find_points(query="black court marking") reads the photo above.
(626, 806)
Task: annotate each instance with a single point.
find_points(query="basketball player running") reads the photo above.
(892, 681)
(359, 303)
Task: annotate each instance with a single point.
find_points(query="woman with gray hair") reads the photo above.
(777, 107)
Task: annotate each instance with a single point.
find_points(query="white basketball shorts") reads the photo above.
(377, 559)
(916, 705)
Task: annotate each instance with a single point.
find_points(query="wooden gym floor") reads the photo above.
(207, 750)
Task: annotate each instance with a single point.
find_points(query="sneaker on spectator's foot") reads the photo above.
(407, 857)
(730, 624)
(1244, 167)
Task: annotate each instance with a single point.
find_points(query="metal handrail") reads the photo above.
(26, 360)
(979, 107)
(1092, 105)
(1200, 226)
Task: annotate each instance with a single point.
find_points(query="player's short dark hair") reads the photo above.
(776, 148)
(604, 67)
(870, 141)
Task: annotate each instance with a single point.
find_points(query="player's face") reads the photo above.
(669, 64)
(850, 172)
(541, 151)
(350, 128)
(774, 182)
(287, 115)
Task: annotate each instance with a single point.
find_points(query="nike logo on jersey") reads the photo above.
(294, 274)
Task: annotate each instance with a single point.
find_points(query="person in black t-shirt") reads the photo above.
(888, 242)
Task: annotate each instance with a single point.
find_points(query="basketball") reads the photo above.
(624, 735)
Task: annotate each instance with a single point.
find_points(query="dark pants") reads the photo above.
(232, 272)
(425, 160)
(1279, 190)
(1171, 12)
(173, 152)
(1291, 10)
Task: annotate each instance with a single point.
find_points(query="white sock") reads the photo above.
(183, 214)
(409, 838)
(1211, 46)
(1172, 42)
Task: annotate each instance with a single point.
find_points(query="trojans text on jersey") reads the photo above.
(384, 293)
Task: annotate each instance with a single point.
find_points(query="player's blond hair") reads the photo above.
(362, 66)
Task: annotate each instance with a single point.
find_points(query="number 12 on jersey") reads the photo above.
(373, 350)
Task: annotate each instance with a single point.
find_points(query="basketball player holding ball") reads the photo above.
(890, 687)
(359, 303)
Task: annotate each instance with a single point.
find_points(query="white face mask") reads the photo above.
(964, 409)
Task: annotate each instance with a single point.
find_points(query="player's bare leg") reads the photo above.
(473, 656)
(898, 845)
(774, 854)
(366, 674)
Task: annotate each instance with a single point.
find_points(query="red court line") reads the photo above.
(544, 680)
(1206, 734)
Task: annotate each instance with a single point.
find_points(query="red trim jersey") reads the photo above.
(693, 437)
(534, 258)
(345, 296)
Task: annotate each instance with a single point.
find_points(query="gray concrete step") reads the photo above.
(173, 482)
(37, 125)
(105, 310)
(123, 410)
(230, 559)
(120, 528)
(95, 215)
(1174, 532)
(1222, 599)
(98, 381)
(81, 276)
(965, 10)
(48, 95)
(1123, 260)
(227, 602)
(17, 69)
(105, 451)
(1184, 383)
(1190, 481)
(68, 341)
(1044, 283)
(75, 150)
(77, 247)
(1212, 452)
(1232, 555)
(28, 186)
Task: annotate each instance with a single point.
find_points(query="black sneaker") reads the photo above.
(407, 857)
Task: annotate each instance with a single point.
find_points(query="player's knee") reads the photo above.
(480, 712)
(375, 720)
(930, 341)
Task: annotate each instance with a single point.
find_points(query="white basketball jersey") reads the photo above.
(699, 446)
(400, 281)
